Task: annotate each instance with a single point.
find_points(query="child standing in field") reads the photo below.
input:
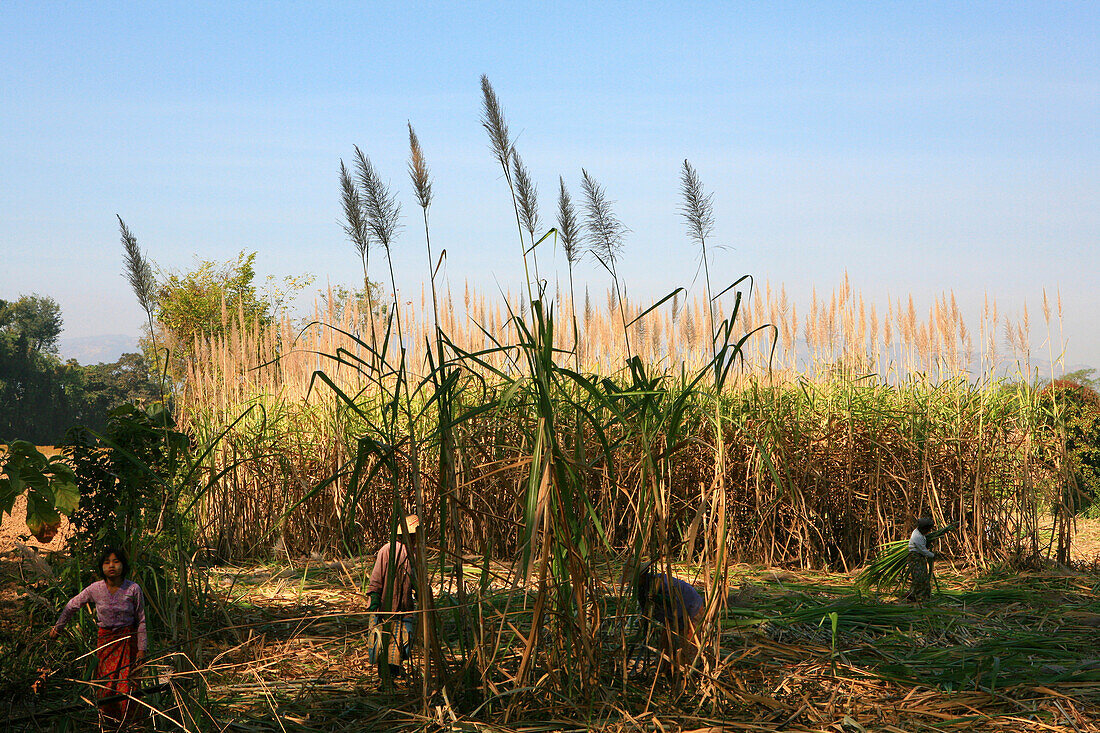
(120, 615)
(920, 586)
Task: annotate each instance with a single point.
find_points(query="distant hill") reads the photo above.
(96, 349)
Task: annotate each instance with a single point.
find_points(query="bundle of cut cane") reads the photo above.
(889, 569)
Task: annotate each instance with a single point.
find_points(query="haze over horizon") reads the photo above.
(919, 149)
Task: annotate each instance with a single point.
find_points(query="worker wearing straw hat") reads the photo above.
(391, 597)
(920, 557)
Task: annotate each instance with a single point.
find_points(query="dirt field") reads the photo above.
(13, 531)
(1003, 652)
(1086, 543)
(13, 527)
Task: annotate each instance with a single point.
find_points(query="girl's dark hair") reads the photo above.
(117, 552)
(925, 523)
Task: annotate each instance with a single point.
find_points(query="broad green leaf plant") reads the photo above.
(49, 483)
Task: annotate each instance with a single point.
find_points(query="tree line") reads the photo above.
(42, 396)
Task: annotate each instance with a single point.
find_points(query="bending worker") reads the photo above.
(673, 603)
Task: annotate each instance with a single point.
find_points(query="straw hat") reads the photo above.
(411, 523)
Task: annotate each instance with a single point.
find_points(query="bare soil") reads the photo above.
(1086, 543)
(14, 532)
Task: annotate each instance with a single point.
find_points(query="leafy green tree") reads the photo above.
(49, 483)
(121, 477)
(213, 299)
(1085, 377)
(106, 386)
(205, 301)
(36, 317)
(340, 300)
(40, 397)
(1074, 410)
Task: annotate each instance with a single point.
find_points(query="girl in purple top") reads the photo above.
(120, 615)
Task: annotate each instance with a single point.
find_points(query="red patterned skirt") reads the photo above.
(117, 654)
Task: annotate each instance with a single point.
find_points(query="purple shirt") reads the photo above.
(674, 598)
(124, 607)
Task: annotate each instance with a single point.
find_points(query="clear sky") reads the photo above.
(921, 147)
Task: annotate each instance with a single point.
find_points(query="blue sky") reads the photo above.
(919, 147)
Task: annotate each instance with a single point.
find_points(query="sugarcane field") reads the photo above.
(509, 368)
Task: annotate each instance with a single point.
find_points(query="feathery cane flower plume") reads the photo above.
(355, 224)
(605, 231)
(138, 272)
(605, 239)
(492, 119)
(698, 209)
(567, 228)
(526, 195)
(418, 171)
(380, 205)
(567, 225)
